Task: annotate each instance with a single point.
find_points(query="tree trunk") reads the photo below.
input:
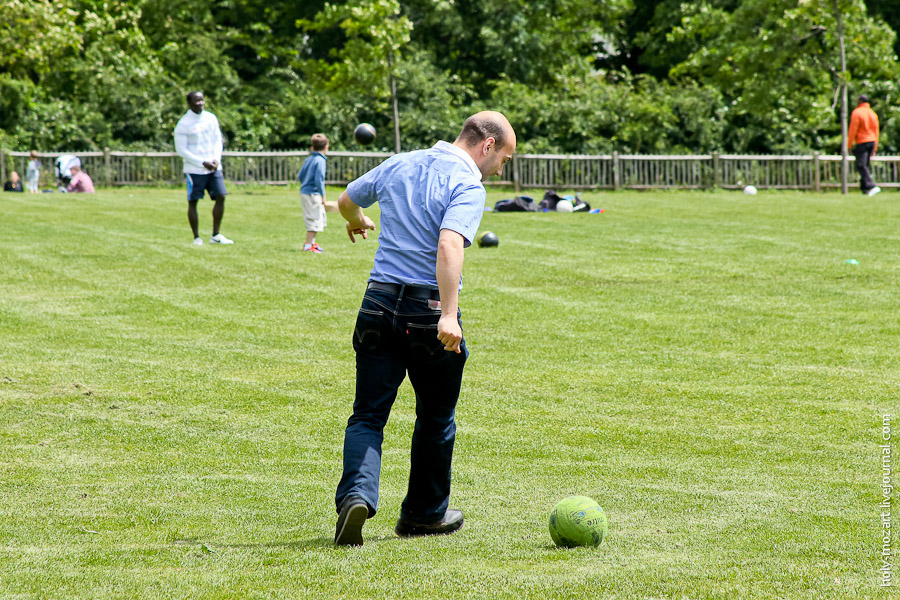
(845, 166)
(396, 108)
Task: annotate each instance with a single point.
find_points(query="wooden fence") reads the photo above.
(541, 171)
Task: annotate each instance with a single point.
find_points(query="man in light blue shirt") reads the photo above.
(431, 204)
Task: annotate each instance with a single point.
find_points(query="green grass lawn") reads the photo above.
(706, 365)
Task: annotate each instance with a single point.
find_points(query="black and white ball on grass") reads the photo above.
(364, 134)
(488, 239)
(577, 521)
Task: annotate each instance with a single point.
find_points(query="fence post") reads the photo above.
(817, 177)
(617, 183)
(515, 173)
(717, 176)
(2, 164)
(107, 159)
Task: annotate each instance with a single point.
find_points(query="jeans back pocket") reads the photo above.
(424, 343)
(367, 332)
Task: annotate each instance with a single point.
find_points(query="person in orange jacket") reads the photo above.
(864, 133)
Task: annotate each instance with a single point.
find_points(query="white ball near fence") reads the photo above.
(750, 190)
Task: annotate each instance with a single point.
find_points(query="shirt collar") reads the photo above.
(448, 147)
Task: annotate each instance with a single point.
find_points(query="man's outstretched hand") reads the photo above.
(360, 228)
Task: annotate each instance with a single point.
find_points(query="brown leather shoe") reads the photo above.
(452, 521)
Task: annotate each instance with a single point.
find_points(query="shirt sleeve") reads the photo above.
(465, 211)
(364, 191)
(854, 124)
(301, 172)
(320, 176)
(877, 132)
(218, 145)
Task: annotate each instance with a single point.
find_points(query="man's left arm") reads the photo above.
(449, 271)
(875, 147)
(320, 178)
(218, 145)
(851, 132)
(357, 222)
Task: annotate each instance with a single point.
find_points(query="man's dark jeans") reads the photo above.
(863, 152)
(396, 335)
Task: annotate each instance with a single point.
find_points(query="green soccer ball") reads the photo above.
(577, 521)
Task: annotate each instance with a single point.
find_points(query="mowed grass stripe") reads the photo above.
(706, 365)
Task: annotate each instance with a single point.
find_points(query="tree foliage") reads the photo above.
(575, 76)
(776, 64)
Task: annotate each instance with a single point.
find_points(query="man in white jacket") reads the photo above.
(198, 140)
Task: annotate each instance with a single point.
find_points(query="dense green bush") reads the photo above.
(574, 76)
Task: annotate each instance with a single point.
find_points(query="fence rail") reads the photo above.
(543, 171)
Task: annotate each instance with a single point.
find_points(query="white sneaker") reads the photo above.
(873, 191)
(219, 239)
(198, 241)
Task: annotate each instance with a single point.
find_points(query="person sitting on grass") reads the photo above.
(14, 184)
(81, 182)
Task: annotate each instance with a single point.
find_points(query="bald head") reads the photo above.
(487, 123)
(490, 141)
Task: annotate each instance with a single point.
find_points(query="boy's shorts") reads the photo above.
(197, 183)
(313, 211)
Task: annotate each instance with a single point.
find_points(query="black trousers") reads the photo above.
(863, 152)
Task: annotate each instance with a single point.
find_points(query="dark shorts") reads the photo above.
(197, 184)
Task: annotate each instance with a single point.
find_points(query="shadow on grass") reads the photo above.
(309, 544)
(328, 542)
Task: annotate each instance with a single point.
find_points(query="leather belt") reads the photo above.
(408, 291)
